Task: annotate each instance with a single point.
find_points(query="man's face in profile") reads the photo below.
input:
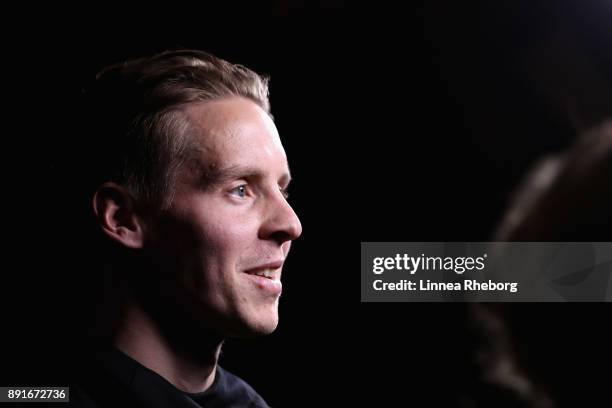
(229, 228)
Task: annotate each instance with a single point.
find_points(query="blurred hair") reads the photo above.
(566, 197)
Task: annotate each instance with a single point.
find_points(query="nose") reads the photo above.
(281, 222)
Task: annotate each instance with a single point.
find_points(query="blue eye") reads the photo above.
(240, 191)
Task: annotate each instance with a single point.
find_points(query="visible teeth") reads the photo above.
(266, 273)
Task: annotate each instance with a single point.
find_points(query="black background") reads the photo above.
(400, 125)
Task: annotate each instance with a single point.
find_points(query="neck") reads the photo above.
(141, 338)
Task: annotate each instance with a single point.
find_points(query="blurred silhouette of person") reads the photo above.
(566, 197)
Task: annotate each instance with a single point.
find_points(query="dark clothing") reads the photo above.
(120, 381)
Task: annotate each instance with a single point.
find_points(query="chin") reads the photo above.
(267, 328)
(260, 325)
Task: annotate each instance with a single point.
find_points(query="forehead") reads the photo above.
(234, 132)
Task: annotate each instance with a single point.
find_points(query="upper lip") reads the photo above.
(270, 265)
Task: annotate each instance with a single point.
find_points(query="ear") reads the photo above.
(116, 213)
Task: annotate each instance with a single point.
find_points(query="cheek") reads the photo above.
(227, 240)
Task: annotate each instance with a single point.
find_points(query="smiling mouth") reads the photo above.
(267, 273)
(264, 273)
(266, 280)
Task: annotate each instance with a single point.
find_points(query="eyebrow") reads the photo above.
(222, 175)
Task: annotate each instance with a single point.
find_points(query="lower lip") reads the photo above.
(270, 286)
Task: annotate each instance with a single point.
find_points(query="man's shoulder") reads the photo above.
(93, 385)
(114, 380)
